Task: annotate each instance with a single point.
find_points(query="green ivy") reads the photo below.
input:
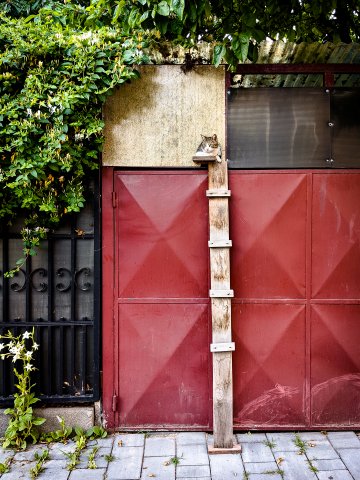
(54, 80)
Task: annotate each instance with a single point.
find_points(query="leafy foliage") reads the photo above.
(53, 82)
(60, 59)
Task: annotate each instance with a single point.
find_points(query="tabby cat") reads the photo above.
(209, 146)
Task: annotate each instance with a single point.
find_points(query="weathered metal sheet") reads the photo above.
(162, 311)
(296, 257)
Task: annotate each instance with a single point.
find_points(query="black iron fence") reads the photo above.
(57, 293)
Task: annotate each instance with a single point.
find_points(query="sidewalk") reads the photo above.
(170, 456)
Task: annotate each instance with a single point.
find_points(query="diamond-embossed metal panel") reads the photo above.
(336, 236)
(164, 365)
(269, 364)
(161, 219)
(335, 365)
(267, 222)
(162, 327)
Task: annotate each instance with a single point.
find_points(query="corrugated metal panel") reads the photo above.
(277, 52)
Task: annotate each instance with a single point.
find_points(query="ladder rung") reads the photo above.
(219, 243)
(216, 192)
(221, 293)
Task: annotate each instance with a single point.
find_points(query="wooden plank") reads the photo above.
(220, 294)
(222, 347)
(219, 243)
(218, 193)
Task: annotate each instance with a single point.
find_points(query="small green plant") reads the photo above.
(23, 423)
(109, 457)
(175, 460)
(276, 471)
(4, 467)
(40, 459)
(302, 446)
(270, 443)
(95, 432)
(91, 459)
(312, 467)
(61, 435)
(246, 476)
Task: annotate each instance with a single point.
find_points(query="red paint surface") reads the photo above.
(296, 313)
(295, 265)
(162, 312)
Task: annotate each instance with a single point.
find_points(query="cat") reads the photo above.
(209, 146)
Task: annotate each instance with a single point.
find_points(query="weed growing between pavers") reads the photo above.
(40, 459)
(270, 443)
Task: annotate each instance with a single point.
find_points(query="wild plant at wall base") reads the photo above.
(23, 423)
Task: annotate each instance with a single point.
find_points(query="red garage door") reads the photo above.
(296, 315)
(295, 265)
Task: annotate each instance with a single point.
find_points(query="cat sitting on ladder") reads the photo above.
(209, 146)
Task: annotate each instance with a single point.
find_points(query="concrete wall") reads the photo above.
(157, 121)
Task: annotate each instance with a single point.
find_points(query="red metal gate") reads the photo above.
(295, 265)
(161, 315)
(296, 315)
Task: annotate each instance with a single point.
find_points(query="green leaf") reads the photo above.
(240, 46)
(219, 52)
(163, 8)
(178, 7)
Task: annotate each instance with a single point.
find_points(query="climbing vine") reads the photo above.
(53, 82)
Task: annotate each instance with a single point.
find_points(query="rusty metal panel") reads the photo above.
(335, 365)
(336, 234)
(269, 365)
(162, 313)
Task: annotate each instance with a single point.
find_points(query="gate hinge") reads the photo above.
(113, 196)
(114, 402)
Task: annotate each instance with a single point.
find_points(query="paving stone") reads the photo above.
(192, 471)
(123, 470)
(226, 466)
(312, 437)
(334, 475)
(19, 470)
(351, 458)
(105, 442)
(196, 478)
(256, 452)
(130, 439)
(190, 438)
(193, 454)
(28, 454)
(55, 464)
(334, 464)
(343, 440)
(321, 451)
(284, 442)
(58, 451)
(54, 474)
(251, 437)
(295, 466)
(100, 459)
(261, 467)
(120, 453)
(265, 476)
(5, 454)
(158, 466)
(159, 447)
(86, 474)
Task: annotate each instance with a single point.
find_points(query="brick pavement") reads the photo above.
(183, 456)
